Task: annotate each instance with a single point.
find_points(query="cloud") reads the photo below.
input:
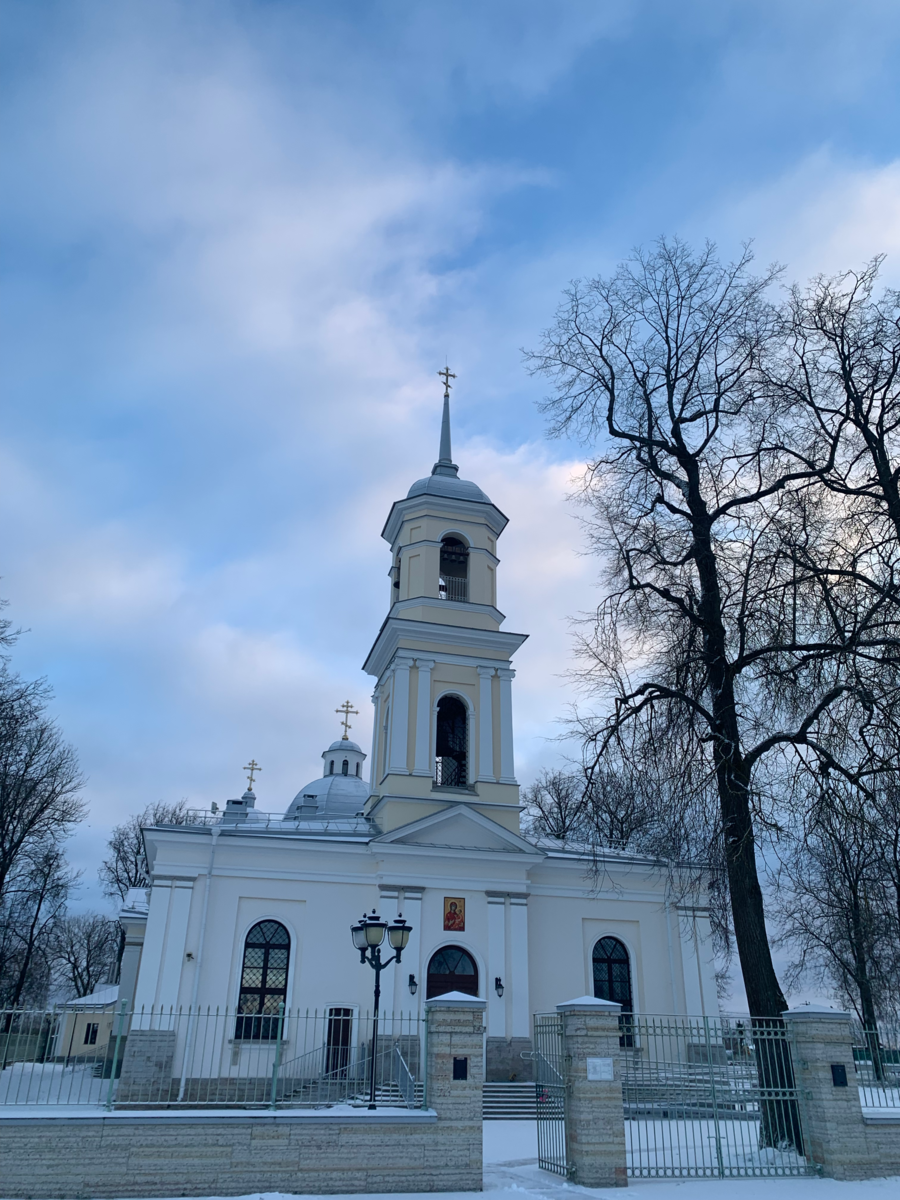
(824, 215)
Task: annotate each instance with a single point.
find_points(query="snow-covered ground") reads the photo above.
(51, 1083)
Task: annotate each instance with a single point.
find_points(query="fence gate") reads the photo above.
(550, 1092)
(709, 1097)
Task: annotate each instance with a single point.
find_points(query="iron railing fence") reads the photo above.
(452, 587)
(220, 1058)
(549, 1060)
(709, 1097)
(876, 1057)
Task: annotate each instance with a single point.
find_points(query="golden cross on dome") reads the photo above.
(446, 375)
(347, 710)
(253, 767)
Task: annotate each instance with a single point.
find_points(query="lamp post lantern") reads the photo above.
(368, 936)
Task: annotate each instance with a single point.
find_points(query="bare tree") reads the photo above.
(36, 896)
(125, 865)
(39, 777)
(83, 952)
(724, 627)
(555, 806)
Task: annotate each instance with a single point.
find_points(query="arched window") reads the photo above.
(454, 580)
(451, 743)
(263, 982)
(357, 768)
(451, 969)
(345, 767)
(331, 767)
(612, 981)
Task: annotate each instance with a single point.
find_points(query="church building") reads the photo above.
(253, 910)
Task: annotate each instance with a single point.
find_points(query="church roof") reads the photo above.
(331, 796)
(344, 744)
(450, 486)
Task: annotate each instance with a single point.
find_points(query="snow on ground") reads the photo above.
(511, 1173)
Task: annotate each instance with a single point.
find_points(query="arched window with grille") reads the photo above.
(454, 579)
(451, 969)
(451, 743)
(612, 981)
(264, 975)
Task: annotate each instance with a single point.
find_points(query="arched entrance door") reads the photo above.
(612, 981)
(451, 969)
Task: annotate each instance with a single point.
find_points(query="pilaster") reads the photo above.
(485, 725)
(507, 757)
(399, 716)
(423, 764)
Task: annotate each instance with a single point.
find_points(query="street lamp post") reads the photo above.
(367, 938)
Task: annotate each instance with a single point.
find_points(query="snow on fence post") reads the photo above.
(595, 1125)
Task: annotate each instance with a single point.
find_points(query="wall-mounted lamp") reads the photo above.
(413, 986)
(498, 986)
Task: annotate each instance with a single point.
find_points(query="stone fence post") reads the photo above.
(455, 1083)
(836, 1136)
(595, 1121)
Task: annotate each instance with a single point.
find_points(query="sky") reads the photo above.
(239, 239)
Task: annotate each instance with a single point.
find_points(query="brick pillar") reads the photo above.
(834, 1133)
(455, 1083)
(595, 1122)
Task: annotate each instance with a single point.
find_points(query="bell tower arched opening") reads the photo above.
(454, 578)
(451, 743)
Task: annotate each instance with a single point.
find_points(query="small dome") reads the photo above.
(449, 486)
(331, 797)
(344, 744)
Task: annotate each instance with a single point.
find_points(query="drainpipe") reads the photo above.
(668, 915)
(192, 1016)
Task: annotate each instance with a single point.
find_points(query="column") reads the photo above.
(595, 1132)
(496, 964)
(376, 723)
(388, 907)
(507, 760)
(518, 967)
(485, 725)
(400, 716)
(172, 963)
(412, 956)
(423, 764)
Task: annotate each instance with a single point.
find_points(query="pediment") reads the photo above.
(459, 828)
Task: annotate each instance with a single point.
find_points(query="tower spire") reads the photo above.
(445, 464)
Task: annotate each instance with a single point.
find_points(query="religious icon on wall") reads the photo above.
(454, 914)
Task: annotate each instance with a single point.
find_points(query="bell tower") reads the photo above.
(443, 729)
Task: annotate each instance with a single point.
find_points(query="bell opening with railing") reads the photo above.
(454, 570)
(451, 743)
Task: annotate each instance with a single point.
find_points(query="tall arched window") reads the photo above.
(264, 975)
(612, 981)
(454, 580)
(345, 767)
(451, 969)
(357, 768)
(331, 767)
(451, 743)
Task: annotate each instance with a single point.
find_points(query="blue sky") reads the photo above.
(238, 241)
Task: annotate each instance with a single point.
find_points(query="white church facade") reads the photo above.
(253, 911)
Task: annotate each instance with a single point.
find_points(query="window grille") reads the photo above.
(263, 982)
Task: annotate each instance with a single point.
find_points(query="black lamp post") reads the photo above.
(367, 938)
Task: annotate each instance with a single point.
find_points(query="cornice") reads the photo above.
(394, 629)
(473, 510)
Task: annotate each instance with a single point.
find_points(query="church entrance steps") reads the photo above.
(509, 1102)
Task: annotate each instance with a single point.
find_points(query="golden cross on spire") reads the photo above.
(446, 375)
(347, 711)
(253, 767)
